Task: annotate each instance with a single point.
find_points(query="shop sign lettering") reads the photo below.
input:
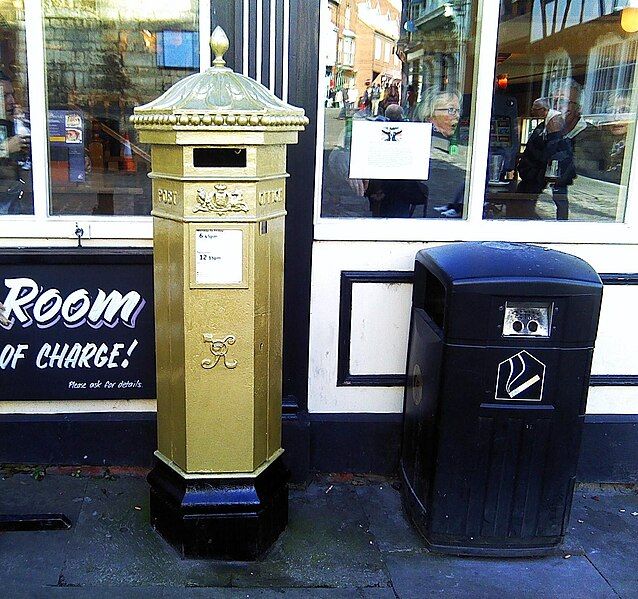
(66, 337)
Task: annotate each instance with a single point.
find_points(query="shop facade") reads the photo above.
(477, 79)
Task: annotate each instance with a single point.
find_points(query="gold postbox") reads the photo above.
(218, 150)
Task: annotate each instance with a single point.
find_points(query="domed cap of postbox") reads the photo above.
(218, 98)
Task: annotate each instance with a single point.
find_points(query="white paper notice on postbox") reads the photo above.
(390, 150)
(218, 256)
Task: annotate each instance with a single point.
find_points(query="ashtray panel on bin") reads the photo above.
(527, 319)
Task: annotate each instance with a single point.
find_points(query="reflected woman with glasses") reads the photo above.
(446, 180)
(584, 138)
(442, 109)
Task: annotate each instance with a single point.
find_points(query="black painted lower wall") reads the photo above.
(358, 443)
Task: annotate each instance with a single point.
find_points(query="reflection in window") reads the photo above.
(558, 66)
(16, 195)
(397, 62)
(102, 59)
(575, 118)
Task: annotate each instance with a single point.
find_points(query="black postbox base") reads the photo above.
(233, 518)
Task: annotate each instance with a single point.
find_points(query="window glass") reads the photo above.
(398, 90)
(563, 112)
(16, 195)
(103, 57)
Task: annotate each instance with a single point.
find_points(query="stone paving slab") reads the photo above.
(388, 522)
(327, 544)
(452, 578)
(38, 554)
(344, 539)
(101, 592)
(115, 545)
(605, 522)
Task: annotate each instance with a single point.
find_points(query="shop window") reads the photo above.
(612, 64)
(16, 195)
(396, 140)
(348, 52)
(178, 49)
(561, 137)
(102, 59)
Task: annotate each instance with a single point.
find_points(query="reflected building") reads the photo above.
(362, 41)
(545, 45)
(434, 43)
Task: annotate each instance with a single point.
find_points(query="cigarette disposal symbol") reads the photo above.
(521, 378)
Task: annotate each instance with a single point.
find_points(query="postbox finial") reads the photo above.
(219, 44)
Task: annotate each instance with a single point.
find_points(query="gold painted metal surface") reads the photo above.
(218, 98)
(219, 343)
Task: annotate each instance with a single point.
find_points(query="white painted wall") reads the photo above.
(380, 316)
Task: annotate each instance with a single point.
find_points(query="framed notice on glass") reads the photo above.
(218, 257)
(390, 150)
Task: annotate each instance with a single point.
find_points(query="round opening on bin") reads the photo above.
(532, 325)
(517, 325)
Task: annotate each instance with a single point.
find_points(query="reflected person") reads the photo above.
(585, 138)
(12, 151)
(532, 163)
(446, 181)
(559, 156)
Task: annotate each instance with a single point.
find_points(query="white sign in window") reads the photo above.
(390, 150)
(219, 256)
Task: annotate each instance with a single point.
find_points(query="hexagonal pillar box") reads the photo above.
(218, 147)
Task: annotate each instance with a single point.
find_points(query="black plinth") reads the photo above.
(235, 518)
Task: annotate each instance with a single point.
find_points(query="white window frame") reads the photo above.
(377, 47)
(42, 229)
(606, 41)
(474, 227)
(557, 62)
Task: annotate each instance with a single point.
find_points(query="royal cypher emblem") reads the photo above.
(220, 200)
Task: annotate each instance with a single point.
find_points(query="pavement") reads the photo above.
(347, 537)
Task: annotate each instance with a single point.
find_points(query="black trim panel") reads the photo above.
(609, 449)
(95, 439)
(265, 44)
(302, 81)
(360, 443)
(619, 278)
(228, 15)
(252, 39)
(97, 256)
(613, 380)
(348, 279)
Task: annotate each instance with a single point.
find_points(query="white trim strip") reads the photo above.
(244, 37)
(204, 35)
(259, 40)
(435, 230)
(487, 33)
(321, 126)
(286, 42)
(33, 16)
(273, 45)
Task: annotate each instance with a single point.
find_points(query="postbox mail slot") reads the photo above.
(219, 157)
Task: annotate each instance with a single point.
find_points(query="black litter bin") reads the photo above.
(500, 350)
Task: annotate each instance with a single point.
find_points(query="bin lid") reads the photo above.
(493, 260)
(219, 97)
